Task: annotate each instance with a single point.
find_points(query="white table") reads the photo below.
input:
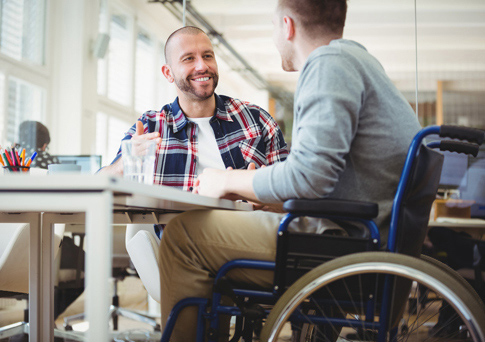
(99, 201)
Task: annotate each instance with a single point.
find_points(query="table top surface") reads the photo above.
(126, 193)
(457, 222)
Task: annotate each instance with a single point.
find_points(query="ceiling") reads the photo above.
(451, 38)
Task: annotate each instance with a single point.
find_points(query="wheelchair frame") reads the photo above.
(210, 309)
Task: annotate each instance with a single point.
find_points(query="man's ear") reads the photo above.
(167, 72)
(289, 28)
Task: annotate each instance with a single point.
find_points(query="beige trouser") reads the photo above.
(196, 244)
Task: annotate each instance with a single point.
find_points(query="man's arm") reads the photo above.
(116, 167)
(230, 184)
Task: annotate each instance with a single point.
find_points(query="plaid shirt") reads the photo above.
(244, 133)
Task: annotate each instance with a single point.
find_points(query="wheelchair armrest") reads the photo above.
(333, 207)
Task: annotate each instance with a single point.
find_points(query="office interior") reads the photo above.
(87, 69)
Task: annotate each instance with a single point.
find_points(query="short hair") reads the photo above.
(190, 30)
(318, 16)
(33, 134)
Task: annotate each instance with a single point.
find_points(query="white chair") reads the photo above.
(14, 270)
(142, 246)
(121, 269)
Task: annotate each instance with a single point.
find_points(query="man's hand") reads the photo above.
(138, 139)
(117, 167)
(213, 183)
(139, 134)
(230, 184)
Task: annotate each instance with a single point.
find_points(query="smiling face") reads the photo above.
(192, 66)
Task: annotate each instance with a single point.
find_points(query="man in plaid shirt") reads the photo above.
(200, 128)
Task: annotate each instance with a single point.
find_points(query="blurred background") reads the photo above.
(88, 68)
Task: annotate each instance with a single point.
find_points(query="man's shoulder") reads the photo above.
(158, 115)
(236, 106)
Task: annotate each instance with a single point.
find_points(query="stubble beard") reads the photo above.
(185, 86)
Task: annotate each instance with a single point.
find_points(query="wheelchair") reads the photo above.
(352, 288)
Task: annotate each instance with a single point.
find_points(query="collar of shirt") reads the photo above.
(176, 119)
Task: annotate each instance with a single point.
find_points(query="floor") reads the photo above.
(132, 296)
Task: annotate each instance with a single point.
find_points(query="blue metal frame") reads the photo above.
(217, 309)
(401, 187)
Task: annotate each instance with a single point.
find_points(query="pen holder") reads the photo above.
(16, 168)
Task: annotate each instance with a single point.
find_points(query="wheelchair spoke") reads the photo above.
(431, 292)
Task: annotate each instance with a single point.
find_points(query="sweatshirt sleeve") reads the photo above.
(326, 116)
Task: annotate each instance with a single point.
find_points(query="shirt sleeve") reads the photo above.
(276, 148)
(327, 106)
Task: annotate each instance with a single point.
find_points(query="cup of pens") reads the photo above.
(12, 161)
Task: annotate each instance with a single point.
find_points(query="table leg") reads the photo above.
(99, 220)
(35, 283)
(47, 278)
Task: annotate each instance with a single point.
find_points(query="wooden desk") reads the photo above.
(98, 201)
(475, 227)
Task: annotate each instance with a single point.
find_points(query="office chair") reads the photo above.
(142, 246)
(14, 272)
(121, 268)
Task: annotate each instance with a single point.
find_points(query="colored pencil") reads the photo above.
(32, 157)
(13, 157)
(22, 155)
(1, 160)
(16, 154)
(7, 158)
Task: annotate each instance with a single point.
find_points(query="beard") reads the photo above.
(186, 86)
(287, 63)
(287, 58)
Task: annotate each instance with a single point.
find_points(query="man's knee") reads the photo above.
(182, 224)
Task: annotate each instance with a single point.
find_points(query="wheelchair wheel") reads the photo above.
(453, 273)
(355, 285)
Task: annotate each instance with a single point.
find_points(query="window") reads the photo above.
(22, 88)
(109, 132)
(119, 60)
(130, 74)
(25, 102)
(145, 73)
(22, 30)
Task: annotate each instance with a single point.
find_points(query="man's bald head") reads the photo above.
(189, 30)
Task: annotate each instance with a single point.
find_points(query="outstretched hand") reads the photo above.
(140, 134)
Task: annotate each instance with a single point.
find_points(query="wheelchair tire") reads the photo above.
(322, 285)
(455, 274)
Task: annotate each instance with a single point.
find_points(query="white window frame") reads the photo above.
(37, 75)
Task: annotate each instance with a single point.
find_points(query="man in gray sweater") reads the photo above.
(351, 132)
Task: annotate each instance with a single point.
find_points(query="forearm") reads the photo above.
(115, 169)
(239, 184)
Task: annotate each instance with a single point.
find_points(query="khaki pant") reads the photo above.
(196, 244)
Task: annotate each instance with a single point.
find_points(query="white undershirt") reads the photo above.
(207, 149)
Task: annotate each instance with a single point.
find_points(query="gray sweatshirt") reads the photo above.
(351, 132)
